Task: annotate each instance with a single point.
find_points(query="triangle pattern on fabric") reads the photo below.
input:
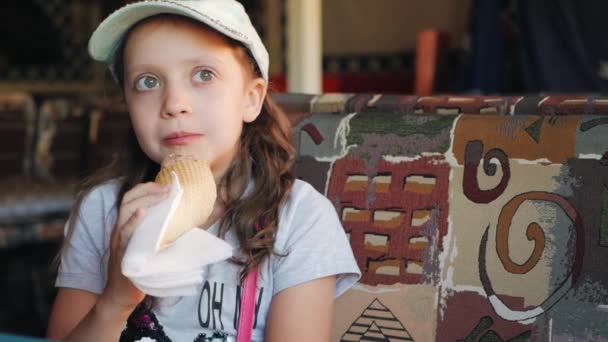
(376, 323)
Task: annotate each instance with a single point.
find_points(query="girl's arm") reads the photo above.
(69, 309)
(303, 312)
(81, 315)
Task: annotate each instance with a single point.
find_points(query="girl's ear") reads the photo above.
(255, 94)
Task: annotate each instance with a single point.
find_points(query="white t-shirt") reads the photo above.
(310, 235)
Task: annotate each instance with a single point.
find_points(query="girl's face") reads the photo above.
(188, 92)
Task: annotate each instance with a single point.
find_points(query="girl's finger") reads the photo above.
(146, 201)
(142, 190)
(127, 230)
(120, 226)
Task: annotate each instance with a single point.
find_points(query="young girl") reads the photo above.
(194, 76)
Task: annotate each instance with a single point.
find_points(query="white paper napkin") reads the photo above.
(176, 270)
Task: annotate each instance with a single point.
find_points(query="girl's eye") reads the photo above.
(147, 82)
(203, 76)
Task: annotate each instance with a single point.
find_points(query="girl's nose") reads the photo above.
(177, 101)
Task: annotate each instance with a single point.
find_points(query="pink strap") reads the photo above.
(247, 309)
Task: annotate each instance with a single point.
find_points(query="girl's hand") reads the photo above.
(120, 294)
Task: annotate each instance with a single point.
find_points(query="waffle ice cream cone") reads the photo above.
(198, 198)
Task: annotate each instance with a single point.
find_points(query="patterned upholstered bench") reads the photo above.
(471, 218)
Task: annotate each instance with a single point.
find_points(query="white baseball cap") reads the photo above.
(228, 17)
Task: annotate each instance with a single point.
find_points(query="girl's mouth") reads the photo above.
(181, 138)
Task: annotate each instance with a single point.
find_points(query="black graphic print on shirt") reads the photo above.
(143, 323)
(216, 337)
(211, 303)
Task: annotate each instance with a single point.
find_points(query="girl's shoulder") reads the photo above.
(306, 211)
(102, 196)
(303, 195)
